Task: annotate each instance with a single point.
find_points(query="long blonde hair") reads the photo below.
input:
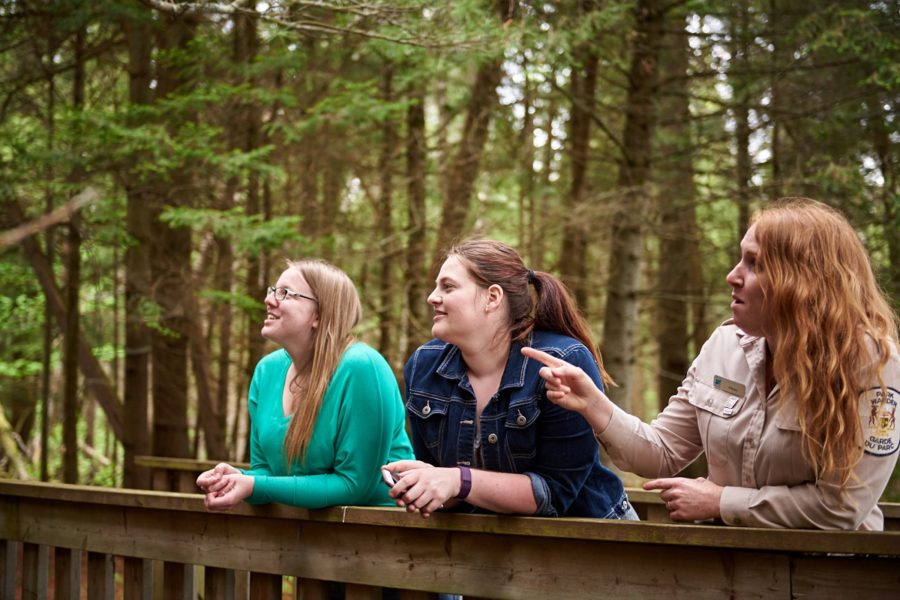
(828, 314)
(339, 310)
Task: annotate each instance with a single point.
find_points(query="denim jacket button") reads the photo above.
(521, 420)
(492, 439)
(426, 410)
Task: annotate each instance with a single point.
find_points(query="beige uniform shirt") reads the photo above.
(753, 447)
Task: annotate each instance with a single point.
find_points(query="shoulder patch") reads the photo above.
(882, 436)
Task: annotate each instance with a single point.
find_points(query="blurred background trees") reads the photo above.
(622, 144)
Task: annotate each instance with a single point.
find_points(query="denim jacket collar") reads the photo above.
(454, 367)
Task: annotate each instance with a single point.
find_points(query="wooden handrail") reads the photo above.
(648, 504)
(181, 464)
(482, 555)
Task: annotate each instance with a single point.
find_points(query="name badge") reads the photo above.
(727, 385)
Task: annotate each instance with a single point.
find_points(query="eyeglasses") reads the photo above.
(282, 293)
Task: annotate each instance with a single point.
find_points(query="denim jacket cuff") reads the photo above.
(541, 496)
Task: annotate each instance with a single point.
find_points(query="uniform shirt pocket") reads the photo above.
(715, 411)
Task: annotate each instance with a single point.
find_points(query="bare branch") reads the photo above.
(61, 214)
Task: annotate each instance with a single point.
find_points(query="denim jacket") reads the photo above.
(521, 430)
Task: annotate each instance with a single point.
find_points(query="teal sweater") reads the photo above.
(360, 426)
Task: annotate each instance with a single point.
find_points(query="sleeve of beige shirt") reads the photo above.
(822, 505)
(659, 449)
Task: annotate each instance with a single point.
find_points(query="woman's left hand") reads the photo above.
(688, 499)
(233, 488)
(425, 488)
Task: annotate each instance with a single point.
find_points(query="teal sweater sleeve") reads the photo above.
(360, 426)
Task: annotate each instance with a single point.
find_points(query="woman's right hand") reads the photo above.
(212, 481)
(567, 385)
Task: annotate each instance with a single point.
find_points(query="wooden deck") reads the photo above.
(367, 548)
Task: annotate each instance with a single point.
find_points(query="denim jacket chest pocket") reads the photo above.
(521, 432)
(428, 415)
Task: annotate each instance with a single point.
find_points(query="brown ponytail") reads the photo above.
(494, 263)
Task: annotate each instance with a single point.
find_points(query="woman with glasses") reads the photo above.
(325, 410)
(486, 436)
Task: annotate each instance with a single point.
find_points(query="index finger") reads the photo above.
(659, 484)
(543, 357)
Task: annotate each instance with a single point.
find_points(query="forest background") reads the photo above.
(620, 144)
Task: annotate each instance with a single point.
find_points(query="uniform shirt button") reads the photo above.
(492, 439)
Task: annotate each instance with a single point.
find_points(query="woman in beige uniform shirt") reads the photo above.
(794, 400)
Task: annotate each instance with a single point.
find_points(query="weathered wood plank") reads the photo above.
(35, 570)
(181, 464)
(138, 578)
(101, 576)
(476, 555)
(9, 560)
(510, 566)
(67, 574)
(219, 584)
(178, 580)
(311, 589)
(265, 586)
(676, 534)
(835, 577)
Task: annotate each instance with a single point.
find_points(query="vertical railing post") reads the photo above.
(265, 586)
(138, 578)
(101, 576)
(35, 571)
(219, 583)
(178, 581)
(9, 558)
(67, 574)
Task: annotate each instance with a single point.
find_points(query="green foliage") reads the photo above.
(280, 152)
(250, 233)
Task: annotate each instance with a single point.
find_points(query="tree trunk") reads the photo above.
(170, 264)
(678, 247)
(573, 256)
(383, 213)
(137, 270)
(465, 164)
(71, 334)
(418, 329)
(626, 253)
(48, 328)
(528, 213)
(740, 85)
(546, 189)
(207, 413)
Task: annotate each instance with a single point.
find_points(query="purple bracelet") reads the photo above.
(465, 482)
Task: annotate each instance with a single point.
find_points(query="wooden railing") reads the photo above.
(177, 474)
(181, 474)
(209, 554)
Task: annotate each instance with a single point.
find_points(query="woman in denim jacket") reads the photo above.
(482, 427)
